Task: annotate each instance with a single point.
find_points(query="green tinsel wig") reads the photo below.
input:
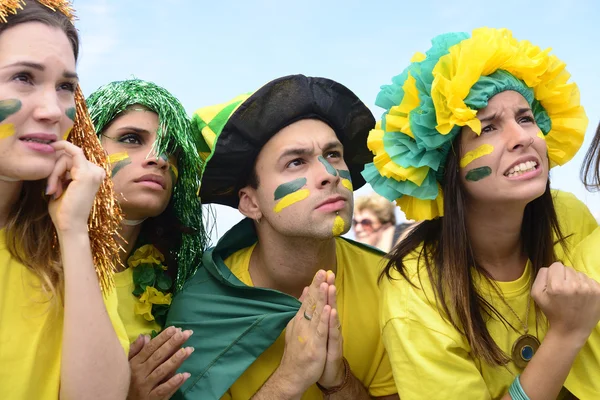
(173, 137)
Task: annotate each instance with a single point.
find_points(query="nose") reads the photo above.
(160, 162)
(326, 174)
(48, 108)
(518, 137)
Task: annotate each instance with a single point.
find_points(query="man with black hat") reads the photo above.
(275, 297)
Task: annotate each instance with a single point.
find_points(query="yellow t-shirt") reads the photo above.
(358, 302)
(135, 324)
(430, 358)
(584, 379)
(31, 333)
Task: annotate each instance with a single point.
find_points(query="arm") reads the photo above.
(91, 352)
(571, 302)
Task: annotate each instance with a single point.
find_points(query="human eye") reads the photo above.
(68, 86)
(130, 138)
(295, 163)
(23, 77)
(488, 129)
(333, 154)
(527, 119)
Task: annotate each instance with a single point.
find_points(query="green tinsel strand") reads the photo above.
(108, 102)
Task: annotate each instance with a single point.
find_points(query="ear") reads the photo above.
(249, 204)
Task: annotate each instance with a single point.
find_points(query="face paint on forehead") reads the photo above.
(328, 167)
(346, 179)
(70, 112)
(478, 174)
(8, 108)
(473, 155)
(118, 161)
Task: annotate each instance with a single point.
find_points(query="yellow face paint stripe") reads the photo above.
(338, 226)
(7, 130)
(347, 184)
(66, 135)
(541, 135)
(116, 157)
(473, 155)
(291, 199)
(175, 171)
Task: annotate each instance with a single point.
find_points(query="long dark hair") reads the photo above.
(447, 256)
(590, 170)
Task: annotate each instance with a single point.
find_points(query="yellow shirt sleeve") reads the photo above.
(112, 307)
(575, 220)
(584, 379)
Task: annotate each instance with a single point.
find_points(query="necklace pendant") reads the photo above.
(524, 349)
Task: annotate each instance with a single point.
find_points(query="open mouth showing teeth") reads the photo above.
(522, 168)
(37, 141)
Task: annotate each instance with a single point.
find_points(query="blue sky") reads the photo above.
(208, 52)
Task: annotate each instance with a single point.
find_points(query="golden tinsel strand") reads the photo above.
(64, 6)
(105, 217)
(10, 7)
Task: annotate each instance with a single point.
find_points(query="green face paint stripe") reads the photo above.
(9, 107)
(345, 174)
(289, 187)
(71, 113)
(118, 165)
(328, 166)
(477, 174)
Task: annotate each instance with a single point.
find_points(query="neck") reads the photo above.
(10, 194)
(386, 237)
(495, 237)
(288, 264)
(129, 235)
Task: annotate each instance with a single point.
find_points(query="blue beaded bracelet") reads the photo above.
(516, 390)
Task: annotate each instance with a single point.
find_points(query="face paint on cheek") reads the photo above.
(8, 108)
(70, 112)
(540, 134)
(174, 173)
(118, 161)
(7, 130)
(66, 134)
(478, 174)
(473, 155)
(338, 226)
(346, 179)
(289, 188)
(328, 167)
(290, 193)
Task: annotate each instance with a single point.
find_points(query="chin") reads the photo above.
(32, 171)
(142, 208)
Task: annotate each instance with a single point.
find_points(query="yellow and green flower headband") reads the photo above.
(441, 91)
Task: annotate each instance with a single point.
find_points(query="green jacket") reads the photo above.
(233, 323)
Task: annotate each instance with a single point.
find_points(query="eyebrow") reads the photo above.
(523, 110)
(332, 145)
(299, 151)
(134, 129)
(40, 67)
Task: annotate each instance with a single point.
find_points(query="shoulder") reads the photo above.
(585, 257)
(575, 219)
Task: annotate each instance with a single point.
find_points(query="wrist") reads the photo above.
(341, 380)
(73, 234)
(288, 387)
(568, 340)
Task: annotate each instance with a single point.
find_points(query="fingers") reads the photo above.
(155, 344)
(334, 340)
(168, 349)
(319, 306)
(168, 389)
(54, 185)
(309, 304)
(304, 293)
(171, 365)
(332, 296)
(136, 346)
(330, 278)
(322, 326)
